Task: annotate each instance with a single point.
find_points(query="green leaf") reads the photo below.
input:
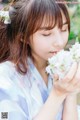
(77, 40)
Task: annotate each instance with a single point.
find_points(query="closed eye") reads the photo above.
(46, 34)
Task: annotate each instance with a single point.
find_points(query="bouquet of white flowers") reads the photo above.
(61, 62)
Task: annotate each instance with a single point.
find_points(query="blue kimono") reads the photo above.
(22, 96)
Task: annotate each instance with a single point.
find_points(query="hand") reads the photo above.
(70, 83)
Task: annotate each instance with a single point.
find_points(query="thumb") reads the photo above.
(55, 77)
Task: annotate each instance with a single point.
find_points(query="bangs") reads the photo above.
(49, 21)
(39, 13)
(49, 15)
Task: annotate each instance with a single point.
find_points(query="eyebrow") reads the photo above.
(49, 28)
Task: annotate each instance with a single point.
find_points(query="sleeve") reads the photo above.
(78, 109)
(13, 105)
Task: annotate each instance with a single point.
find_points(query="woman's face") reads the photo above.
(46, 43)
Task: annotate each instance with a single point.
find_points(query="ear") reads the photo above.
(28, 42)
(25, 41)
(22, 38)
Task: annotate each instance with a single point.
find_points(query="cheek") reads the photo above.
(41, 42)
(41, 46)
(65, 37)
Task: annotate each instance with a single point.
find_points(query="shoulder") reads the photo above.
(6, 68)
(6, 72)
(12, 93)
(11, 82)
(9, 74)
(10, 77)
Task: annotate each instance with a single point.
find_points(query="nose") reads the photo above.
(59, 42)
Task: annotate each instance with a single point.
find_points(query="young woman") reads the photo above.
(39, 29)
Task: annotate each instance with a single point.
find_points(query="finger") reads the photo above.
(70, 75)
(77, 91)
(71, 88)
(75, 82)
(76, 79)
(60, 88)
(77, 76)
(55, 77)
(77, 85)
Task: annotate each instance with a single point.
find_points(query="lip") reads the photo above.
(54, 52)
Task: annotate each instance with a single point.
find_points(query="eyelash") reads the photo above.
(50, 33)
(46, 34)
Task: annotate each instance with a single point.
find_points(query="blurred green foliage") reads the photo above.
(74, 10)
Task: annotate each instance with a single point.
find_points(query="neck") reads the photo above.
(40, 64)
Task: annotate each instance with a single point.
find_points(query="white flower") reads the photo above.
(5, 15)
(62, 61)
(75, 52)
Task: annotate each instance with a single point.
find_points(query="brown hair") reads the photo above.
(26, 18)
